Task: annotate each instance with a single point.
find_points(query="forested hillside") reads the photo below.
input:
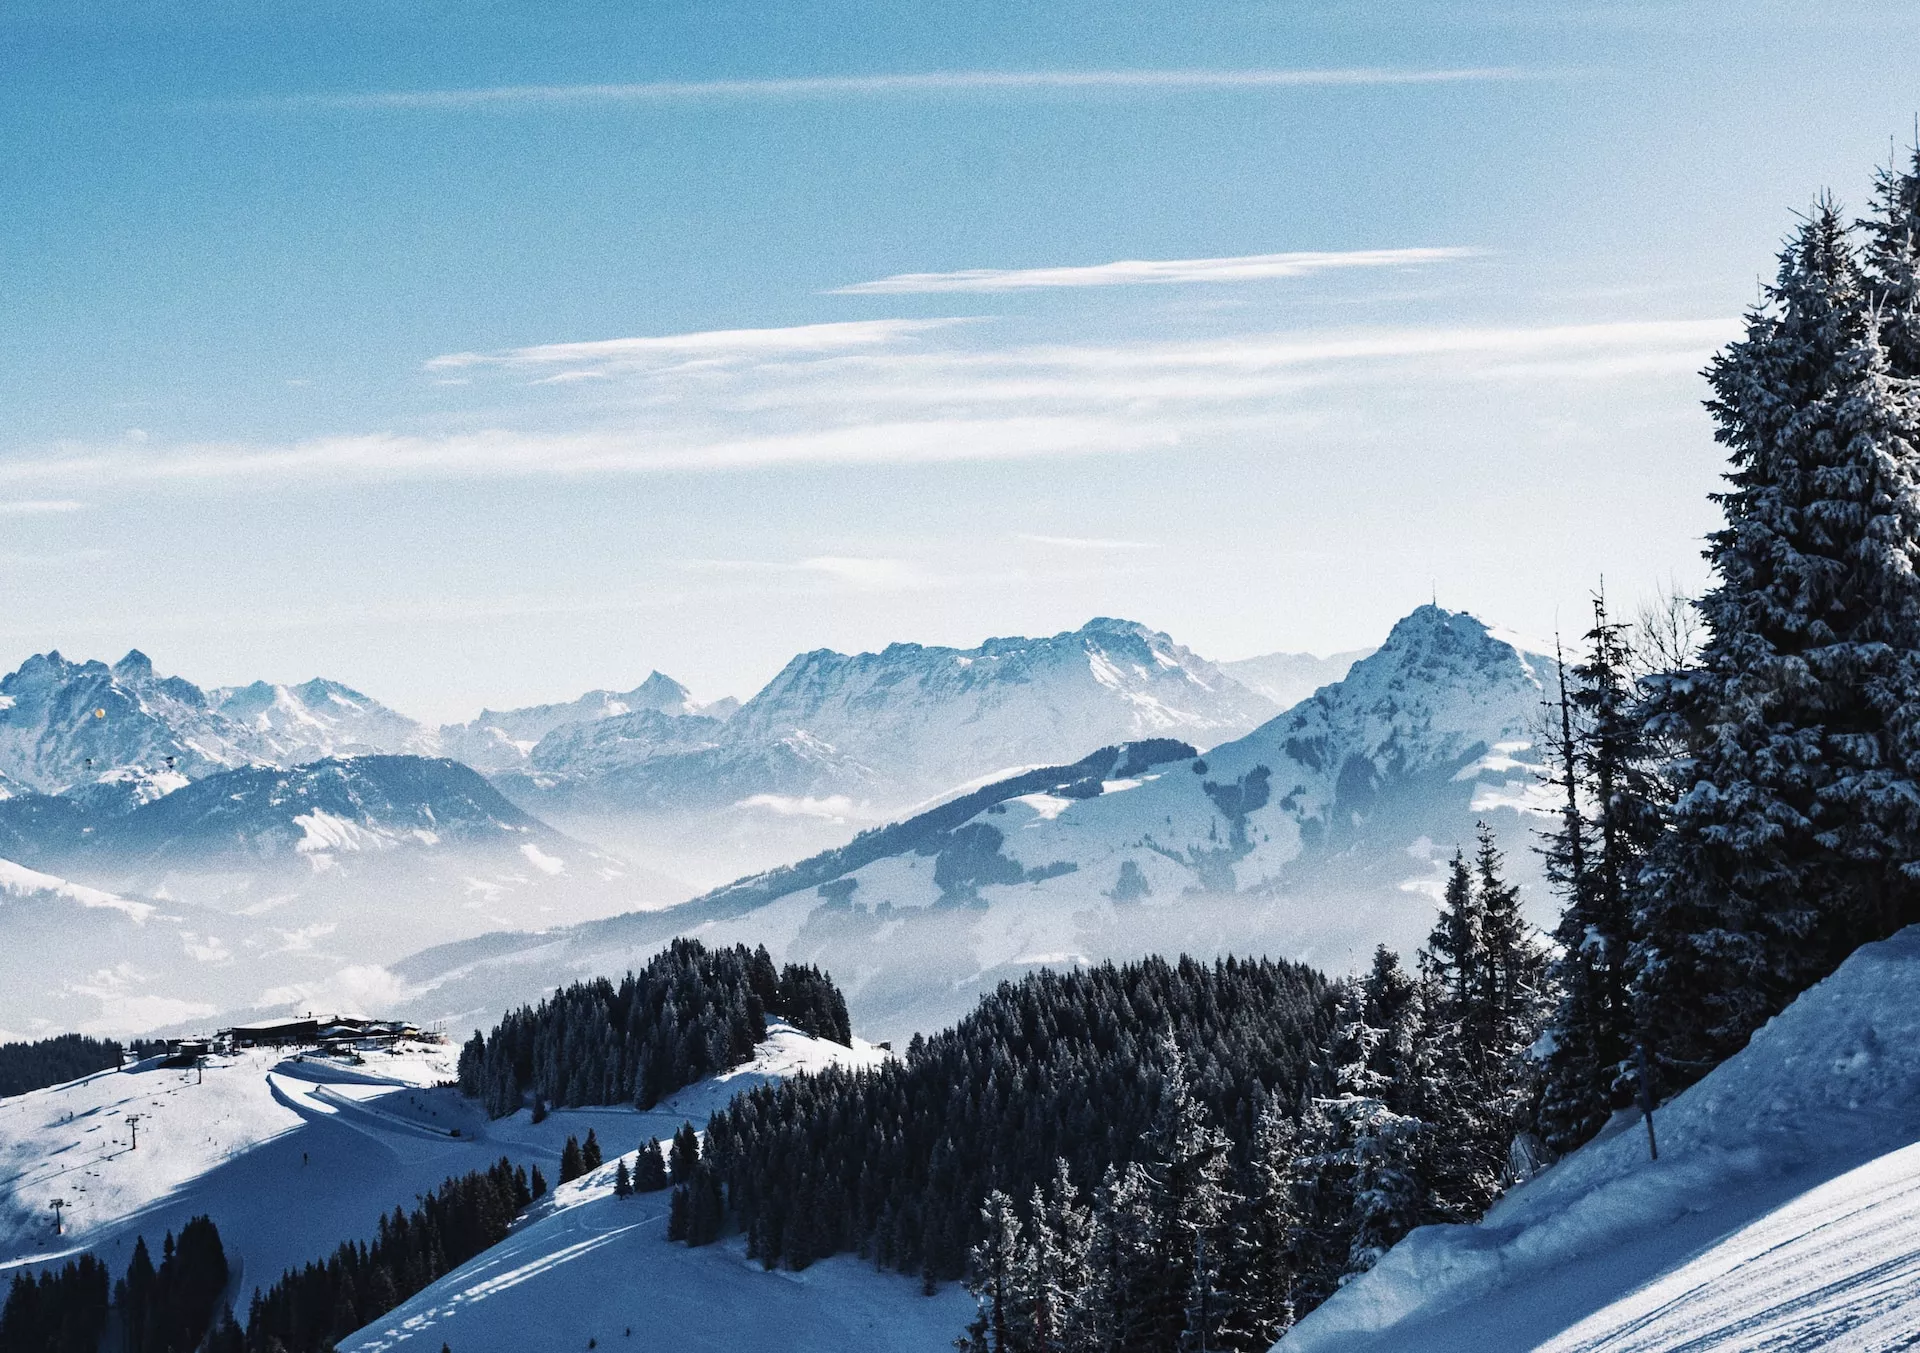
(28, 1066)
(1073, 1066)
(689, 1013)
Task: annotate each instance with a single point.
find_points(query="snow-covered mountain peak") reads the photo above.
(933, 716)
(503, 740)
(136, 666)
(1440, 684)
(64, 723)
(316, 719)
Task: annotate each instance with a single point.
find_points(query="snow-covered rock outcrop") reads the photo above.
(1783, 1213)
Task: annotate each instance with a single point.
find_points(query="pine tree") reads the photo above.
(1453, 955)
(1892, 257)
(1263, 1295)
(1059, 1265)
(1187, 1164)
(650, 1170)
(1123, 1260)
(1796, 834)
(685, 1154)
(572, 1162)
(1513, 1001)
(622, 1182)
(999, 1282)
(590, 1158)
(538, 1188)
(1614, 821)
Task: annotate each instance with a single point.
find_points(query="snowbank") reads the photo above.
(1784, 1210)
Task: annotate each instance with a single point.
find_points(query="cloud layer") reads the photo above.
(900, 393)
(927, 82)
(1140, 272)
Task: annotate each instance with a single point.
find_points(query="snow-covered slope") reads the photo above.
(1288, 678)
(74, 958)
(1783, 1213)
(293, 1154)
(928, 718)
(1317, 836)
(586, 1265)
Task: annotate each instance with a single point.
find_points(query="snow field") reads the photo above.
(291, 1154)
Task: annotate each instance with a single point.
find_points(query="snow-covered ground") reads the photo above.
(1783, 1213)
(588, 1266)
(291, 1154)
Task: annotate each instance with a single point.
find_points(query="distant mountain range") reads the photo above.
(696, 792)
(838, 741)
(1318, 835)
(304, 839)
(1288, 678)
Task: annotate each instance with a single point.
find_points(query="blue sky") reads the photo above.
(480, 353)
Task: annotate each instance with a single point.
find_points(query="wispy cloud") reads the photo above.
(881, 402)
(926, 82)
(624, 354)
(1142, 272)
(39, 507)
(1088, 543)
(863, 573)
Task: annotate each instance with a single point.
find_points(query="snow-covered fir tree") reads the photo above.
(1796, 833)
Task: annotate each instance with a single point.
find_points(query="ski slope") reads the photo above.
(587, 1265)
(1783, 1213)
(291, 1154)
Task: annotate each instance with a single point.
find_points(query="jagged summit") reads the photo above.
(136, 666)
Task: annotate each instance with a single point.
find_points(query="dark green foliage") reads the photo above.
(1485, 1001)
(165, 1310)
(690, 1013)
(538, 1187)
(622, 1182)
(897, 1161)
(684, 1155)
(29, 1066)
(571, 1163)
(309, 1309)
(62, 1311)
(590, 1157)
(700, 1207)
(650, 1170)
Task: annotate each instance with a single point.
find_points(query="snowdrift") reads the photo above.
(1784, 1211)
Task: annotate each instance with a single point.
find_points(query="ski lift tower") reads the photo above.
(59, 1227)
(133, 1124)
